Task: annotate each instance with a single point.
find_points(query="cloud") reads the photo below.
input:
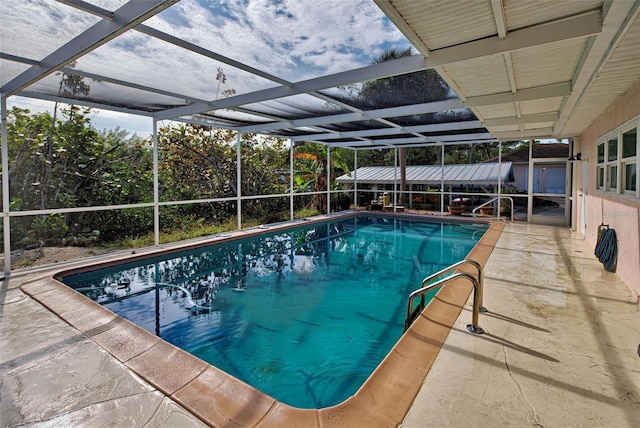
(291, 39)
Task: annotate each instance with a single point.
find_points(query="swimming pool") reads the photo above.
(304, 315)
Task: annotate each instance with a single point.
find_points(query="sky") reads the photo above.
(292, 39)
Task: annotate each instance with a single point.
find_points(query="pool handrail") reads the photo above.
(478, 284)
(473, 212)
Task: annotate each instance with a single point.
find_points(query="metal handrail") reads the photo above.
(473, 212)
(453, 267)
(478, 284)
(473, 327)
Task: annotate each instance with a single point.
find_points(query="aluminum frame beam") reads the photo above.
(374, 144)
(583, 25)
(57, 99)
(375, 71)
(126, 17)
(449, 126)
(452, 104)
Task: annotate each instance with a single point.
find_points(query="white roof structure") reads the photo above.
(524, 68)
(473, 174)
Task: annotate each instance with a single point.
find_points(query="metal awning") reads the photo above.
(528, 68)
(479, 174)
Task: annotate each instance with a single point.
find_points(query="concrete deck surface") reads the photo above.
(560, 349)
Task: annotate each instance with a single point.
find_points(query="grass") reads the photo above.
(197, 229)
(191, 231)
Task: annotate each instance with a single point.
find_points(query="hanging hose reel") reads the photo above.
(607, 247)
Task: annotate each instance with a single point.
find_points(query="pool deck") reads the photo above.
(560, 349)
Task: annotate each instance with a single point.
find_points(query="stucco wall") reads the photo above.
(621, 214)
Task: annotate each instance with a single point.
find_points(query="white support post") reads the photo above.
(291, 147)
(355, 179)
(6, 224)
(442, 179)
(239, 180)
(395, 176)
(156, 191)
(530, 183)
(499, 177)
(328, 179)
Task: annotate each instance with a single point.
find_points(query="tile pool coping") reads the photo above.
(218, 398)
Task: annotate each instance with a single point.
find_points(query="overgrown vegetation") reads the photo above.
(58, 160)
(61, 161)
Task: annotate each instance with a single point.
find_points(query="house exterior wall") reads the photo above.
(520, 176)
(621, 213)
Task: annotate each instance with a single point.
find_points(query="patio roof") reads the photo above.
(472, 174)
(519, 69)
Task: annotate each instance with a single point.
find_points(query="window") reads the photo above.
(612, 150)
(630, 177)
(617, 160)
(613, 177)
(600, 167)
(630, 161)
(600, 183)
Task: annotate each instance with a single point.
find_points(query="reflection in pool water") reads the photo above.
(304, 315)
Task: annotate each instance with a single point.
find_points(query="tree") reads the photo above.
(67, 163)
(412, 88)
(310, 170)
(200, 163)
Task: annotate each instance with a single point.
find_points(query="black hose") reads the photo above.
(607, 249)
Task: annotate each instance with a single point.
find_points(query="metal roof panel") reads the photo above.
(479, 173)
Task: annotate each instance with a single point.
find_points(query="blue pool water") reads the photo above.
(304, 315)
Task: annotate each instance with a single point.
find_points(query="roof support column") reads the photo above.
(6, 226)
(291, 146)
(355, 180)
(239, 180)
(499, 177)
(530, 182)
(328, 179)
(442, 179)
(395, 177)
(156, 191)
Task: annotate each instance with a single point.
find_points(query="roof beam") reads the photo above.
(529, 133)
(579, 26)
(498, 15)
(390, 11)
(440, 127)
(508, 62)
(103, 78)
(152, 32)
(463, 137)
(375, 71)
(439, 139)
(549, 91)
(532, 118)
(58, 99)
(126, 17)
(362, 145)
(618, 18)
(433, 107)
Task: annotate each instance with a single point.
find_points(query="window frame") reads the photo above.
(611, 166)
(629, 161)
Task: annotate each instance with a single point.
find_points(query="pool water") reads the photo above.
(304, 315)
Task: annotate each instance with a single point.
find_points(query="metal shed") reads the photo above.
(480, 174)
